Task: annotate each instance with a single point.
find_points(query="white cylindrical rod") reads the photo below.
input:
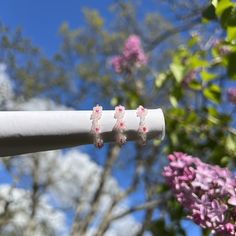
(33, 131)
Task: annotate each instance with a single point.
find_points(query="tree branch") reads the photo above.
(144, 206)
(79, 228)
(107, 219)
(168, 33)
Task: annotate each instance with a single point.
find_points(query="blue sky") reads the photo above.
(40, 21)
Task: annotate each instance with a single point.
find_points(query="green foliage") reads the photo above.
(159, 227)
(224, 10)
(178, 71)
(213, 93)
(209, 13)
(196, 120)
(231, 65)
(207, 76)
(93, 18)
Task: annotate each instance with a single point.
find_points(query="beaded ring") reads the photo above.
(143, 129)
(96, 126)
(120, 125)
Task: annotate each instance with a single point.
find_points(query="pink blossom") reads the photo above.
(143, 129)
(97, 113)
(117, 63)
(119, 112)
(96, 128)
(133, 51)
(189, 77)
(141, 112)
(120, 125)
(224, 50)
(207, 192)
(232, 201)
(132, 56)
(231, 94)
(230, 228)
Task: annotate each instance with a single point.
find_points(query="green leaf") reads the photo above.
(114, 101)
(161, 188)
(228, 17)
(159, 227)
(232, 17)
(231, 33)
(213, 93)
(207, 76)
(213, 120)
(213, 115)
(209, 13)
(214, 3)
(160, 79)
(178, 71)
(231, 143)
(173, 101)
(212, 111)
(94, 18)
(195, 85)
(231, 65)
(191, 118)
(177, 112)
(196, 61)
(193, 41)
(222, 6)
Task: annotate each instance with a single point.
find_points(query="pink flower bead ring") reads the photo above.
(120, 125)
(142, 129)
(96, 126)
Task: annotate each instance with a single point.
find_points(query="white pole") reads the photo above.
(34, 131)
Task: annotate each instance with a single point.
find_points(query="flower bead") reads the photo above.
(120, 125)
(119, 112)
(141, 112)
(98, 142)
(96, 128)
(97, 113)
(121, 138)
(143, 129)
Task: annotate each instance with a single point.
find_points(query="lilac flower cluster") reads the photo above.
(189, 77)
(132, 55)
(207, 192)
(223, 50)
(231, 94)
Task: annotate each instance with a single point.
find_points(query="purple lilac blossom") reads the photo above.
(223, 49)
(117, 63)
(132, 55)
(207, 192)
(189, 77)
(231, 94)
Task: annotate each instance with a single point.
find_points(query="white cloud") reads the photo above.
(6, 91)
(39, 104)
(20, 205)
(74, 177)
